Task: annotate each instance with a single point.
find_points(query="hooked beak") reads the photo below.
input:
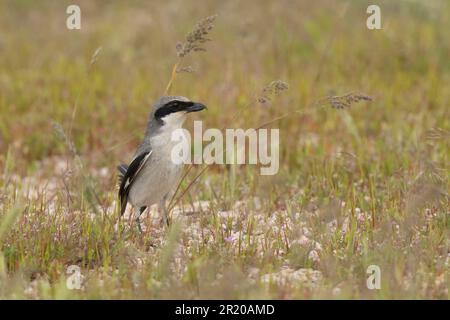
(196, 106)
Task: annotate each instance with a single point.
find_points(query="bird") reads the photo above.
(152, 175)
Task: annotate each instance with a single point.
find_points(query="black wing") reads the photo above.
(130, 175)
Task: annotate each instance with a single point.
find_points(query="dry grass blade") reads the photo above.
(94, 57)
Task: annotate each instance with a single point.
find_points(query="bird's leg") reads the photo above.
(162, 207)
(138, 220)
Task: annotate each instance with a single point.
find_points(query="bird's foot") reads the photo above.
(138, 220)
(165, 221)
(138, 224)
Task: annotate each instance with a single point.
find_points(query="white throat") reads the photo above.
(174, 120)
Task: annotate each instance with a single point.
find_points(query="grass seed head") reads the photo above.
(346, 101)
(197, 37)
(271, 90)
(187, 69)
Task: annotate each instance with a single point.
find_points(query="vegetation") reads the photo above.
(359, 184)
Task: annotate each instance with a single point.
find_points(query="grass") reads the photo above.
(366, 185)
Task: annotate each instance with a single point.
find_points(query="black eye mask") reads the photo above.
(172, 107)
(177, 106)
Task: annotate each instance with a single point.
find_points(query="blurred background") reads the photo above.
(319, 49)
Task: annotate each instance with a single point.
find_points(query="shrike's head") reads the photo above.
(171, 111)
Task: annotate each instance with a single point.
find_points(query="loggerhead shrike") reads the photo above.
(152, 175)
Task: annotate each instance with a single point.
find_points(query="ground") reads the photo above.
(362, 186)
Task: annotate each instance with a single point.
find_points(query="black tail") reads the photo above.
(122, 170)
